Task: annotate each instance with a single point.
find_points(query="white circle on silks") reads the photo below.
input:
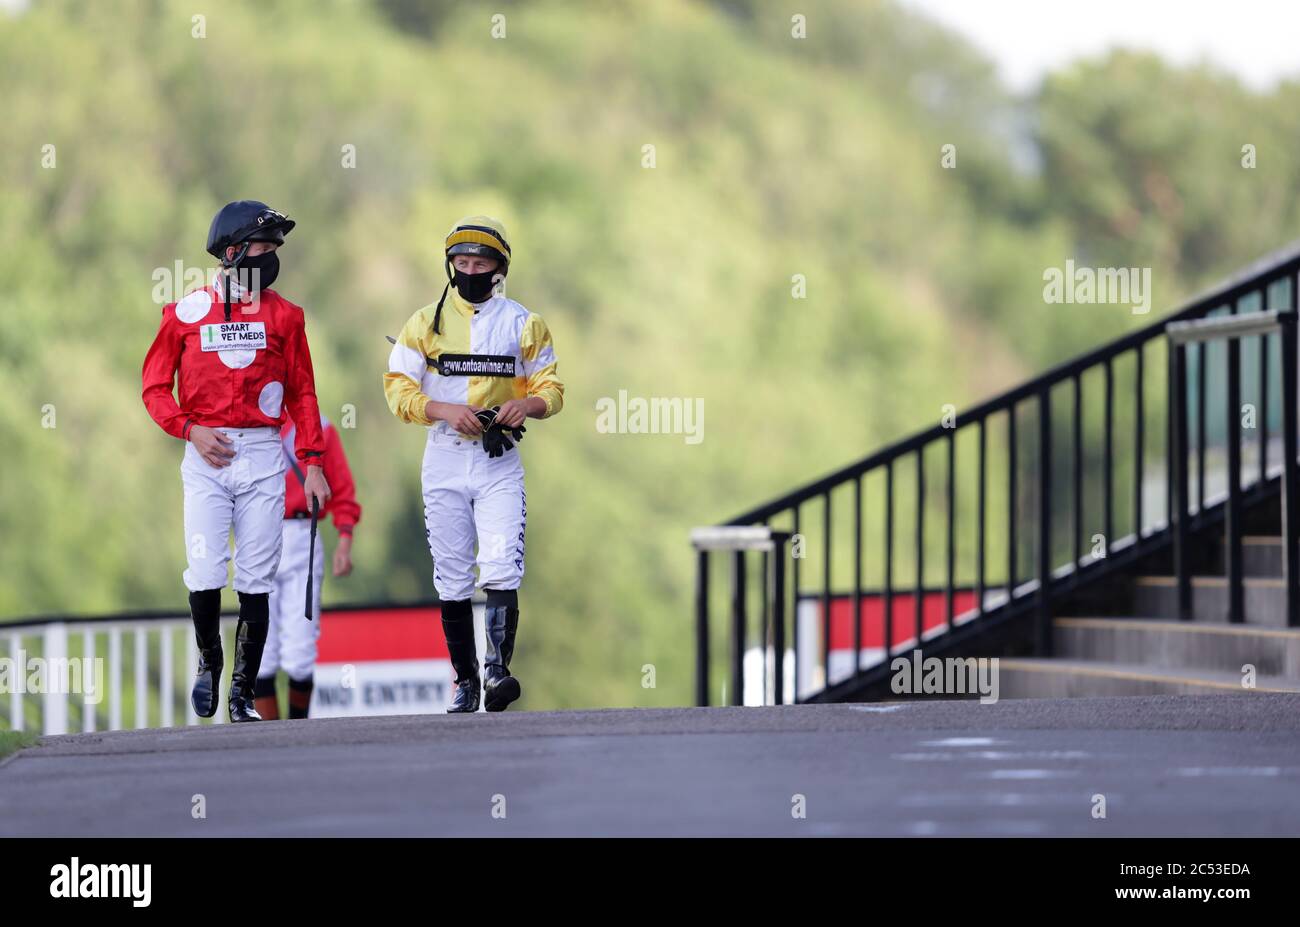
(270, 398)
(240, 357)
(194, 307)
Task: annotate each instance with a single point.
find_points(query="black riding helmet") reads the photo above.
(243, 222)
(240, 224)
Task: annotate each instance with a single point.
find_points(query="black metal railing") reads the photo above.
(1036, 567)
(1230, 331)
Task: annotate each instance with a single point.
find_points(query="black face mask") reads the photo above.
(474, 287)
(267, 267)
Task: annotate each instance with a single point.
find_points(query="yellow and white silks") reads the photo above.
(471, 335)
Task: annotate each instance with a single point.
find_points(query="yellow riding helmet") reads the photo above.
(479, 235)
(482, 236)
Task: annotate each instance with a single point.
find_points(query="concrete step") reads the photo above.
(1053, 678)
(1157, 597)
(1261, 555)
(1180, 644)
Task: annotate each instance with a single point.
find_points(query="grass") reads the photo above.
(13, 741)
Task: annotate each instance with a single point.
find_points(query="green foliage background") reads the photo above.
(774, 156)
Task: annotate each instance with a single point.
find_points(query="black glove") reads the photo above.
(497, 438)
(486, 417)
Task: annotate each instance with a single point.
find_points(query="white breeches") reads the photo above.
(247, 496)
(471, 498)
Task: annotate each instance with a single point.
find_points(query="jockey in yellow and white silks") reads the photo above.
(473, 367)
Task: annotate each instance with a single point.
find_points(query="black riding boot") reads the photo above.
(501, 621)
(458, 628)
(250, 638)
(300, 696)
(205, 610)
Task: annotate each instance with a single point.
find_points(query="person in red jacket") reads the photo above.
(291, 642)
(240, 352)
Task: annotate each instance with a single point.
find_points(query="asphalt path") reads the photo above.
(1191, 765)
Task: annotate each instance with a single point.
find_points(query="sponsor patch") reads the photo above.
(474, 365)
(233, 336)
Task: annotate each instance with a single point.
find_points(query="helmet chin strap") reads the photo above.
(228, 266)
(437, 315)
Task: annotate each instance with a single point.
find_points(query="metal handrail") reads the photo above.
(1227, 291)
(737, 540)
(1232, 329)
(168, 614)
(128, 652)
